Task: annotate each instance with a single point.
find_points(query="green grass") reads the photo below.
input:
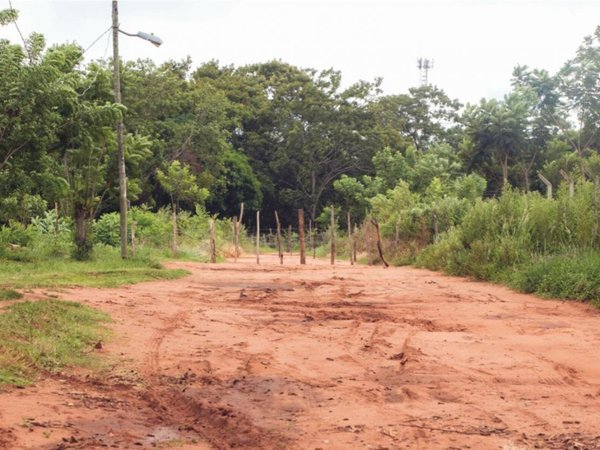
(106, 269)
(575, 276)
(47, 336)
(9, 294)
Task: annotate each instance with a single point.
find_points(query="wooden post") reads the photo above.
(257, 237)
(238, 226)
(301, 236)
(595, 200)
(56, 223)
(311, 238)
(279, 249)
(368, 242)
(213, 243)
(133, 226)
(236, 243)
(174, 243)
(289, 239)
(316, 233)
(350, 239)
(548, 185)
(332, 235)
(379, 246)
(354, 242)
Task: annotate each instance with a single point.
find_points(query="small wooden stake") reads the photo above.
(301, 236)
(213, 243)
(279, 249)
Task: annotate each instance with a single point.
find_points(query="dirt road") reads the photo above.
(318, 357)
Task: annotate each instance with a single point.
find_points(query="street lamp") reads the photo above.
(155, 40)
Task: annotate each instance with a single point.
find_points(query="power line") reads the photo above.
(97, 39)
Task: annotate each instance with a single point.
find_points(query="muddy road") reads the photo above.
(237, 355)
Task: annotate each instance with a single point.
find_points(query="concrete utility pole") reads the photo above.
(154, 40)
(120, 148)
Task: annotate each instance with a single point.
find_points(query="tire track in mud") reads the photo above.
(221, 426)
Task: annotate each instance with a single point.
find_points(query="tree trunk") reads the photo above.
(83, 237)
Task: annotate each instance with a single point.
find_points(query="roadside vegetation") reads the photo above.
(47, 336)
(503, 190)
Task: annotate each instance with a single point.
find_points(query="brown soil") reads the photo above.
(318, 357)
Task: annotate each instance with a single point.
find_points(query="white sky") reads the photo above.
(475, 43)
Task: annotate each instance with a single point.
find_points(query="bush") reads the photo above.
(107, 230)
(575, 276)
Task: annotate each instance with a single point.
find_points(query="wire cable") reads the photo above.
(97, 39)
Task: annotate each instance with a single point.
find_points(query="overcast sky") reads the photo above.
(475, 44)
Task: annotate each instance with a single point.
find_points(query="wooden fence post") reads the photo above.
(238, 226)
(133, 226)
(368, 242)
(234, 226)
(56, 222)
(354, 242)
(174, 243)
(311, 239)
(350, 239)
(332, 235)
(279, 249)
(213, 243)
(289, 239)
(257, 237)
(301, 236)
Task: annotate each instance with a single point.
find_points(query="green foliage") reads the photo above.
(47, 336)
(569, 276)
(180, 183)
(107, 230)
(546, 246)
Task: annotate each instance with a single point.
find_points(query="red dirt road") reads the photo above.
(317, 357)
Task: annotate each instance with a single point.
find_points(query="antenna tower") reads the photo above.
(424, 65)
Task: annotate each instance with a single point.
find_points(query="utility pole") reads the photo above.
(120, 148)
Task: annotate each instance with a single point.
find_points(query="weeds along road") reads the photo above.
(240, 355)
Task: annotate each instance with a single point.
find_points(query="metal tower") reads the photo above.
(424, 65)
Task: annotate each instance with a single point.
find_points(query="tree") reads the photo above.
(181, 185)
(497, 133)
(424, 116)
